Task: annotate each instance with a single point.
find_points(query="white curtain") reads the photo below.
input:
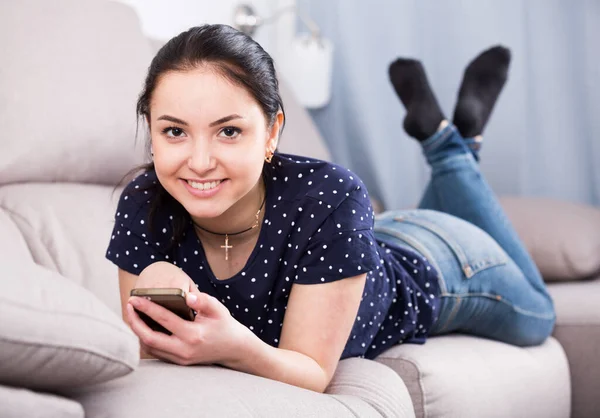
(543, 138)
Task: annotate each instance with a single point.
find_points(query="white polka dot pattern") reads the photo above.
(318, 227)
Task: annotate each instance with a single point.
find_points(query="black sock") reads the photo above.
(481, 85)
(423, 114)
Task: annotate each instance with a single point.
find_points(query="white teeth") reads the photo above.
(204, 186)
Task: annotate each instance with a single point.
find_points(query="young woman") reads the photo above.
(280, 255)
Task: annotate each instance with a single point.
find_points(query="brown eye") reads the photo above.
(173, 132)
(230, 132)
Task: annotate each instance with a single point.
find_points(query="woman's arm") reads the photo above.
(317, 324)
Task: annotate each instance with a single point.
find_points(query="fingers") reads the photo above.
(193, 287)
(166, 356)
(161, 315)
(206, 305)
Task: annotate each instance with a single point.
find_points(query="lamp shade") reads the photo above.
(307, 67)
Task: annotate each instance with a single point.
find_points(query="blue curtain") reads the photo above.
(543, 138)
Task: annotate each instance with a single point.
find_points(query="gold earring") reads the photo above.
(269, 157)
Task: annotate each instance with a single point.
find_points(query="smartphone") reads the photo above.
(172, 299)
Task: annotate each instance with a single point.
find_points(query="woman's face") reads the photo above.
(209, 138)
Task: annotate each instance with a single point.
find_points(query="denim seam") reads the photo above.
(503, 300)
(452, 313)
(472, 144)
(466, 156)
(457, 249)
(435, 143)
(454, 247)
(421, 249)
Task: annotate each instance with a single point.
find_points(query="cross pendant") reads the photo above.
(227, 247)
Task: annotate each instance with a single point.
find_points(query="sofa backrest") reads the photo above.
(71, 72)
(70, 77)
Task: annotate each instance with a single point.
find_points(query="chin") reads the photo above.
(204, 210)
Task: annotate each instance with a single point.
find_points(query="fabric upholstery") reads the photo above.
(68, 87)
(578, 330)
(159, 390)
(56, 334)
(12, 243)
(562, 237)
(19, 403)
(469, 377)
(66, 228)
(376, 384)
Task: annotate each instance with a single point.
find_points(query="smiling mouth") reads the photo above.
(204, 186)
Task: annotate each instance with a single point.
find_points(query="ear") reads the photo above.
(273, 139)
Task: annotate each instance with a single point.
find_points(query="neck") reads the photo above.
(236, 223)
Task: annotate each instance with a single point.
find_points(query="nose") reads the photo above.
(201, 159)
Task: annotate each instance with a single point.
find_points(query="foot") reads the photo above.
(481, 85)
(423, 114)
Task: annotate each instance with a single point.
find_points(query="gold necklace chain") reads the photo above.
(227, 247)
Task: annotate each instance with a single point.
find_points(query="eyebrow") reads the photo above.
(184, 123)
(172, 119)
(225, 119)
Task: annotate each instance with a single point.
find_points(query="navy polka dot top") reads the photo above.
(317, 228)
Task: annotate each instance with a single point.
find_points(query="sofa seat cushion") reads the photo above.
(159, 390)
(577, 328)
(464, 376)
(19, 403)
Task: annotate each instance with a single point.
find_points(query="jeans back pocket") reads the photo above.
(472, 247)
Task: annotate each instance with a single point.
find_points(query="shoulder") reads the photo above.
(138, 210)
(299, 178)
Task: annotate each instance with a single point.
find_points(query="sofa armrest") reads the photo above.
(361, 388)
(374, 383)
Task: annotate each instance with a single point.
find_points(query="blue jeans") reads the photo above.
(489, 284)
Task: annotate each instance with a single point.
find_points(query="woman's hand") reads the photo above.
(213, 337)
(163, 274)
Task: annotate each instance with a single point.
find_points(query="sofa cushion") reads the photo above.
(19, 403)
(159, 389)
(562, 237)
(464, 376)
(68, 90)
(55, 334)
(66, 228)
(376, 384)
(578, 330)
(12, 242)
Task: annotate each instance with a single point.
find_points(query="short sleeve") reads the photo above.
(132, 247)
(344, 245)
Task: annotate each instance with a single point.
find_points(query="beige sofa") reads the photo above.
(70, 74)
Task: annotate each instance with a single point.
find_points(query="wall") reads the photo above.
(163, 19)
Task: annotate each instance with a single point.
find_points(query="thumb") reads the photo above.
(204, 303)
